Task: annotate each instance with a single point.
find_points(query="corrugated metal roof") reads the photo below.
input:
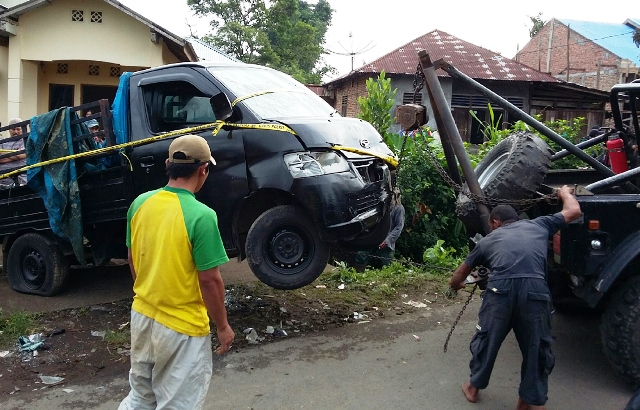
(472, 60)
(207, 52)
(617, 38)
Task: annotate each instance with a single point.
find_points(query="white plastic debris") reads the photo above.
(283, 310)
(416, 337)
(6, 353)
(252, 336)
(122, 326)
(415, 304)
(341, 286)
(50, 379)
(99, 333)
(270, 330)
(67, 390)
(321, 286)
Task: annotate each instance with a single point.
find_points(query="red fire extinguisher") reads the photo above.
(617, 156)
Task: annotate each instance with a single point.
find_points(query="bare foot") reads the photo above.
(522, 405)
(470, 392)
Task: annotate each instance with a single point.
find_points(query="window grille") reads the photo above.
(96, 17)
(94, 70)
(114, 72)
(407, 98)
(63, 68)
(345, 101)
(77, 15)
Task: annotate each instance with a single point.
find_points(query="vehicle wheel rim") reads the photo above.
(34, 269)
(492, 169)
(288, 250)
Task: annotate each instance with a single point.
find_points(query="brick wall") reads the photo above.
(584, 56)
(351, 89)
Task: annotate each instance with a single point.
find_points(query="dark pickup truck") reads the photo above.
(594, 260)
(292, 178)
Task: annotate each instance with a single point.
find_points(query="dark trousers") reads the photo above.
(524, 305)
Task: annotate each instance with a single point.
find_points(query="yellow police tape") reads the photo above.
(216, 126)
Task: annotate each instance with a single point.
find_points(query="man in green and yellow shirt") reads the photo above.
(175, 251)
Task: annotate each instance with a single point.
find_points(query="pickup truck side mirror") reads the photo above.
(221, 106)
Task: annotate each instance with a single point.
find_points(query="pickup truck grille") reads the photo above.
(365, 201)
(369, 169)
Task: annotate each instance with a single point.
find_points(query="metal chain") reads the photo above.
(522, 203)
(455, 323)
(417, 86)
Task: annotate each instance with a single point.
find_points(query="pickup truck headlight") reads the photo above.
(311, 164)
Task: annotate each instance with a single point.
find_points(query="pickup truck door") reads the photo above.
(176, 98)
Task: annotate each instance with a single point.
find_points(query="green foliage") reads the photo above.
(440, 256)
(636, 37)
(375, 108)
(428, 200)
(284, 34)
(536, 24)
(491, 128)
(14, 325)
(572, 131)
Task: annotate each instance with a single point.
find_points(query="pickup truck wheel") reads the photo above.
(284, 249)
(513, 169)
(620, 330)
(36, 265)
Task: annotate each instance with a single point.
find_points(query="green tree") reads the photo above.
(375, 108)
(636, 37)
(536, 24)
(284, 34)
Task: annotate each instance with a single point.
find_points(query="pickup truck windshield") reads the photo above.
(271, 94)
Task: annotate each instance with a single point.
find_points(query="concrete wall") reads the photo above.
(4, 77)
(48, 36)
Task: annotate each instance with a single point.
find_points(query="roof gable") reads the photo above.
(617, 38)
(470, 59)
(178, 46)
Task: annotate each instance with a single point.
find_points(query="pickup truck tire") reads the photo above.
(620, 330)
(284, 249)
(513, 169)
(36, 265)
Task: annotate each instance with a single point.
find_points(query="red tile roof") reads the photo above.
(472, 60)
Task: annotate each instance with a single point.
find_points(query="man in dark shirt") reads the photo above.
(517, 297)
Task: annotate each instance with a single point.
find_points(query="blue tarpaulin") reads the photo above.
(120, 110)
(57, 184)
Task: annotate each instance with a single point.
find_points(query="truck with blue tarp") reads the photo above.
(293, 177)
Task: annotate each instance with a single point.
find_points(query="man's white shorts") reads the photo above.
(169, 370)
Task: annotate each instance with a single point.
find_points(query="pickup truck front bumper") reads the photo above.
(345, 205)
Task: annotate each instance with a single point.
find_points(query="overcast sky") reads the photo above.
(499, 25)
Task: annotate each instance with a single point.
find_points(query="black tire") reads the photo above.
(620, 330)
(284, 249)
(36, 265)
(513, 169)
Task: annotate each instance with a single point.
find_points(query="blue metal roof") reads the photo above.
(617, 38)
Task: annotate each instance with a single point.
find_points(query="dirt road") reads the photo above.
(395, 362)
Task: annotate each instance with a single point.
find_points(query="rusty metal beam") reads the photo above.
(451, 132)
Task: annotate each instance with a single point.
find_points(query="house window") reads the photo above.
(77, 15)
(96, 17)
(407, 98)
(114, 72)
(345, 101)
(63, 68)
(94, 70)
